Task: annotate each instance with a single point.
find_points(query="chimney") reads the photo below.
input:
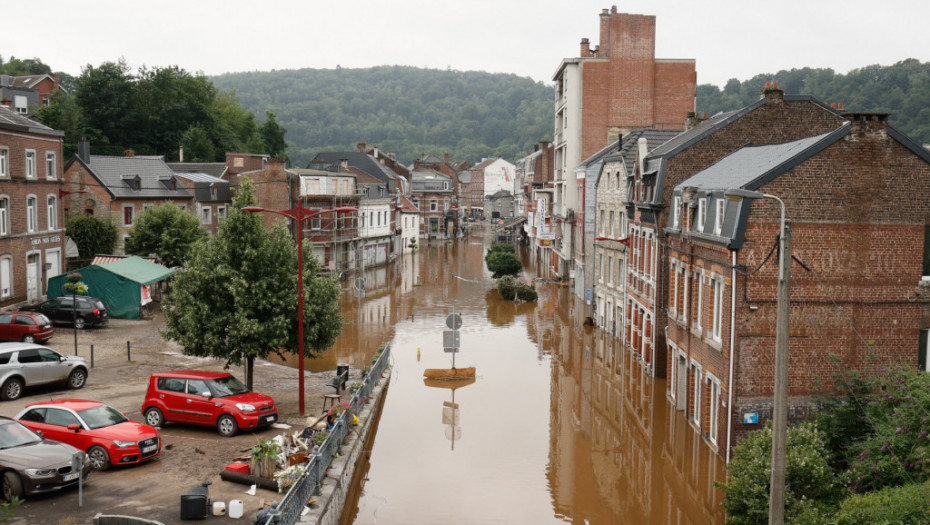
(605, 30)
(344, 163)
(360, 146)
(129, 153)
(772, 93)
(181, 153)
(445, 158)
(4, 80)
(867, 125)
(643, 145)
(83, 150)
(585, 47)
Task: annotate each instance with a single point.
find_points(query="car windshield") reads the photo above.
(228, 386)
(102, 416)
(13, 434)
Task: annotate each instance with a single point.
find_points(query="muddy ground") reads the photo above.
(190, 455)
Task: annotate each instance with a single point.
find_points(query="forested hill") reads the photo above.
(405, 110)
(902, 89)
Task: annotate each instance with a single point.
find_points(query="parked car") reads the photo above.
(206, 398)
(105, 433)
(32, 465)
(90, 310)
(29, 327)
(27, 364)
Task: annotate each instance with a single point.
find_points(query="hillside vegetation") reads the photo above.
(405, 110)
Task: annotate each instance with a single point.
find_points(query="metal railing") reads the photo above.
(289, 510)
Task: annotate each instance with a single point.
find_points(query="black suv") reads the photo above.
(90, 310)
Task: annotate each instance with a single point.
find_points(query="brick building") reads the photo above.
(854, 190)
(32, 237)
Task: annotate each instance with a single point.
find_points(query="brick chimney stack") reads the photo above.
(360, 146)
(605, 31)
(866, 125)
(585, 47)
(772, 93)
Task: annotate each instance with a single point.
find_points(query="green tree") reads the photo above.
(197, 145)
(63, 113)
(92, 235)
(107, 100)
(236, 298)
(811, 488)
(167, 231)
(502, 263)
(273, 137)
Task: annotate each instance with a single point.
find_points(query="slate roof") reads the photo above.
(360, 160)
(112, 172)
(28, 81)
(13, 121)
(752, 166)
(200, 177)
(216, 169)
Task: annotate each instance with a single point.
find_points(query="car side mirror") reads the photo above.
(62, 358)
(207, 395)
(74, 427)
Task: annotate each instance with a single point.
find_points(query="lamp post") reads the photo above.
(299, 214)
(780, 399)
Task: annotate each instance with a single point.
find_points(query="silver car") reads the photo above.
(25, 364)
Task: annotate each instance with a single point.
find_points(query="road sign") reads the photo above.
(360, 283)
(454, 321)
(450, 339)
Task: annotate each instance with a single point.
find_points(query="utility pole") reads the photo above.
(780, 400)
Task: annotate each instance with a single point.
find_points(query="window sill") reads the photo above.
(716, 344)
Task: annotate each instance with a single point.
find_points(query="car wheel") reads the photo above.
(77, 378)
(79, 323)
(12, 486)
(29, 338)
(154, 417)
(12, 389)
(99, 458)
(227, 426)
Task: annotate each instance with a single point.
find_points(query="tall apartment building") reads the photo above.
(612, 89)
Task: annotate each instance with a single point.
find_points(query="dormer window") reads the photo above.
(134, 182)
(718, 218)
(701, 214)
(213, 191)
(676, 212)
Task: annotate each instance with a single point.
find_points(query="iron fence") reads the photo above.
(291, 507)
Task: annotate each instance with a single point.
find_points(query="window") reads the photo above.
(206, 215)
(718, 307)
(32, 217)
(686, 282)
(926, 266)
(698, 298)
(701, 214)
(433, 205)
(610, 270)
(50, 165)
(4, 163)
(922, 362)
(713, 387)
(128, 210)
(672, 372)
(220, 213)
(603, 227)
(6, 277)
(676, 212)
(611, 230)
(4, 216)
(52, 209)
(30, 164)
(696, 395)
(718, 217)
(673, 300)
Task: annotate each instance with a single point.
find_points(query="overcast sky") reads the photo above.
(727, 38)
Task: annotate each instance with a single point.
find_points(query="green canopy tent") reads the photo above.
(124, 285)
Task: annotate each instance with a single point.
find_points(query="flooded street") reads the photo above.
(561, 424)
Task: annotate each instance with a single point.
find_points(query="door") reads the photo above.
(200, 405)
(31, 367)
(53, 260)
(171, 393)
(55, 368)
(32, 277)
(55, 427)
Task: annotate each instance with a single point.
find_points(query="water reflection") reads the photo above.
(563, 423)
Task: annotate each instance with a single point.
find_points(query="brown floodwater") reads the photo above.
(561, 424)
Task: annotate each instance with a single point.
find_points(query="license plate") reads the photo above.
(150, 448)
(70, 477)
(269, 418)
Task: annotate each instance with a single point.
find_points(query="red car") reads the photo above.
(206, 398)
(28, 327)
(106, 434)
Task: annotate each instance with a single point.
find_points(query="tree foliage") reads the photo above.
(92, 235)
(501, 260)
(236, 298)
(902, 89)
(405, 110)
(167, 231)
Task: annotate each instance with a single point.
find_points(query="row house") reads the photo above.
(855, 200)
(32, 236)
(24, 93)
(332, 235)
(376, 222)
(408, 224)
(616, 87)
(532, 172)
(120, 188)
(485, 179)
(609, 240)
(433, 193)
(237, 163)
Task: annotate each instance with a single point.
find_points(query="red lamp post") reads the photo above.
(299, 214)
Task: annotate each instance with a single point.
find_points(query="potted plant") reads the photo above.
(265, 459)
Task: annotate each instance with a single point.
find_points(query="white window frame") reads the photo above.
(433, 205)
(673, 304)
(696, 394)
(32, 213)
(4, 163)
(699, 299)
(220, 213)
(686, 281)
(206, 215)
(50, 165)
(31, 169)
(718, 290)
(676, 212)
(701, 214)
(132, 214)
(6, 276)
(51, 208)
(713, 385)
(719, 216)
(4, 215)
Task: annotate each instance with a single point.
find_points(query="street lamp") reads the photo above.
(299, 214)
(780, 399)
